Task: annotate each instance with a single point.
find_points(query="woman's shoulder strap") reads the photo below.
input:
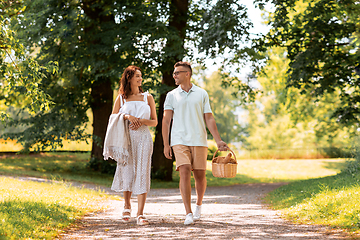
(122, 101)
(146, 96)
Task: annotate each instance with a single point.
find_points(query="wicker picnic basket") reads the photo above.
(224, 170)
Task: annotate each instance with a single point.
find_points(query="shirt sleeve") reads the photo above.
(207, 108)
(168, 104)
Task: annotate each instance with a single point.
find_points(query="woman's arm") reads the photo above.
(116, 107)
(135, 123)
(152, 122)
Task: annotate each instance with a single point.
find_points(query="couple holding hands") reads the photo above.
(189, 108)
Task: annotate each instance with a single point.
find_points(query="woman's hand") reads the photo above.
(134, 122)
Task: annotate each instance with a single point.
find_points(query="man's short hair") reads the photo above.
(184, 64)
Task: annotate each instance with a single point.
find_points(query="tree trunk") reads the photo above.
(162, 167)
(101, 105)
(101, 90)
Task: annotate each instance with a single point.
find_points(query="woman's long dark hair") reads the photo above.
(125, 88)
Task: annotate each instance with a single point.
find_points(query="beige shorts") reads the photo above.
(196, 156)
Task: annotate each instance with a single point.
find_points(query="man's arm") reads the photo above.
(211, 125)
(168, 114)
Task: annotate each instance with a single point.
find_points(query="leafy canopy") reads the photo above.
(20, 75)
(93, 41)
(322, 44)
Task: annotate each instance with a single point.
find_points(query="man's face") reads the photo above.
(180, 74)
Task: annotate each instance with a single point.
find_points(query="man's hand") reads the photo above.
(222, 146)
(167, 152)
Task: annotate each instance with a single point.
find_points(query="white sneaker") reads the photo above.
(189, 219)
(197, 214)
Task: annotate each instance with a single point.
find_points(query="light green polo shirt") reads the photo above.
(188, 127)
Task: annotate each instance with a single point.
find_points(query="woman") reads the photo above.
(140, 110)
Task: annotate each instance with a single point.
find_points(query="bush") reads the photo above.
(107, 167)
(353, 165)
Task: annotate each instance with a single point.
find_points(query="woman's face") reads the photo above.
(136, 80)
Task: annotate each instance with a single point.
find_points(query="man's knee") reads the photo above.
(199, 173)
(185, 170)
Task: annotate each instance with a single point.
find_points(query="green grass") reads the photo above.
(72, 167)
(32, 210)
(306, 198)
(332, 200)
(58, 166)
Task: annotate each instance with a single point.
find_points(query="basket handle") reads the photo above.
(228, 150)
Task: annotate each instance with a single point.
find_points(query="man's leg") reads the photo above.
(185, 186)
(200, 185)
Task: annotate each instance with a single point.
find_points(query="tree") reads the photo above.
(322, 44)
(282, 118)
(19, 74)
(223, 105)
(94, 40)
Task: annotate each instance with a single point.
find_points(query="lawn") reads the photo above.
(332, 200)
(32, 210)
(311, 196)
(73, 167)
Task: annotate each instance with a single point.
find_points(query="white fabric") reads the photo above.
(117, 139)
(135, 176)
(188, 126)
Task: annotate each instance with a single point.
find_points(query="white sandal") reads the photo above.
(126, 218)
(141, 220)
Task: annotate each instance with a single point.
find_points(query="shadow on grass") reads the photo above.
(73, 167)
(55, 166)
(334, 165)
(212, 181)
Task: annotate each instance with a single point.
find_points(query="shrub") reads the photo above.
(353, 165)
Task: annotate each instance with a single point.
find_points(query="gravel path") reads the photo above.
(234, 212)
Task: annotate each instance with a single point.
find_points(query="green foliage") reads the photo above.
(223, 105)
(322, 44)
(225, 27)
(20, 76)
(107, 167)
(283, 118)
(93, 43)
(353, 165)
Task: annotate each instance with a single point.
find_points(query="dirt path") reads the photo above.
(234, 212)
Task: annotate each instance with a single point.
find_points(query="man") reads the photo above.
(188, 106)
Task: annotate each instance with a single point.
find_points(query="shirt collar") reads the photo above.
(192, 89)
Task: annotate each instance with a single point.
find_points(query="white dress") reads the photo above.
(135, 176)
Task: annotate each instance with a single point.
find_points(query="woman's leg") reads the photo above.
(127, 198)
(141, 220)
(141, 203)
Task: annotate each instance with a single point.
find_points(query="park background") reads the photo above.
(285, 97)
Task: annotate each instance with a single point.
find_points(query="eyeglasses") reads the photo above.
(178, 72)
